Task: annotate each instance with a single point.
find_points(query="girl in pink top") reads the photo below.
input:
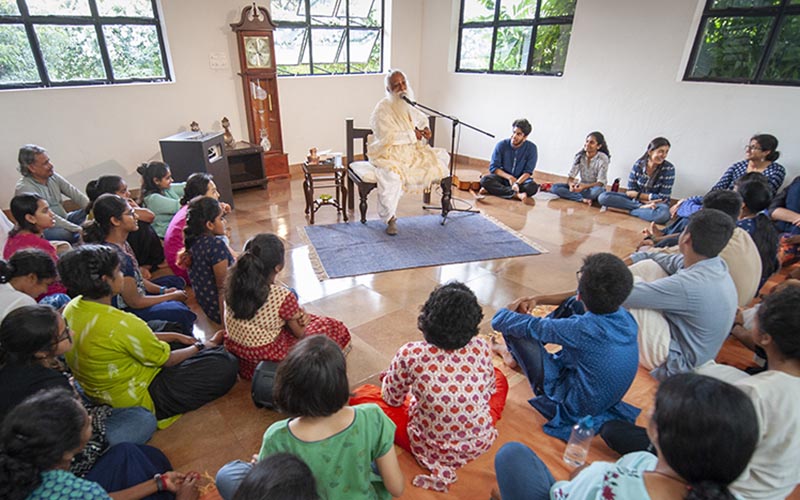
(198, 184)
(33, 216)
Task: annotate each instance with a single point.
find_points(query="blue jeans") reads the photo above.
(659, 214)
(130, 425)
(562, 190)
(171, 310)
(230, 476)
(59, 233)
(793, 204)
(521, 474)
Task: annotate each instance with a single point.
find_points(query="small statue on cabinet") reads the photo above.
(194, 126)
(312, 158)
(227, 137)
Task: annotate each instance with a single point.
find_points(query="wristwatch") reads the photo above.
(199, 345)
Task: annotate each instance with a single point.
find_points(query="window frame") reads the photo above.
(495, 24)
(98, 22)
(344, 44)
(779, 13)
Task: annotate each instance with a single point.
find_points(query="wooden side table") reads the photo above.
(324, 175)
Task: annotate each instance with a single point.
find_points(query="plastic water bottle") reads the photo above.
(579, 442)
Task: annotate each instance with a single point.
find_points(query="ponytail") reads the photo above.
(28, 261)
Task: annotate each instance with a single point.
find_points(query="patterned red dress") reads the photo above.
(266, 336)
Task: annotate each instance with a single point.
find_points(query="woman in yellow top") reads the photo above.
(119, 361)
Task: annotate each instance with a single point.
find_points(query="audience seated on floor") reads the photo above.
(774, 470)
(744, 326)
(160, 194)
(598, 358)
(760, 156)
(649, 185)
(740, 254)
(206, 257)
(785, 212)
(684, 304)
(756, 197)
(39, 176)
(34, 217)
(340, 443)
(198, 184)
(42, 435)
(24, 277)
(32, 340)
(148, 372)
(704, 432)
(163, 299)
(263, 317)
(588, 176)
(144, 242)
(443, 393)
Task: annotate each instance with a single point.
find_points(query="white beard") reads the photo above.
(398, 104)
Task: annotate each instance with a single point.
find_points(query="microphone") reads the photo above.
(409, 101)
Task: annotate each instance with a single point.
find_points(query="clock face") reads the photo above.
(257, 51)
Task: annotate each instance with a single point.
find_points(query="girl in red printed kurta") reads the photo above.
(263, 319)
(443, 391)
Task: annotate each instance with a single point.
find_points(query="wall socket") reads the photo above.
(218, 60)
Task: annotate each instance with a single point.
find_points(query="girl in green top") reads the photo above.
(160, 194)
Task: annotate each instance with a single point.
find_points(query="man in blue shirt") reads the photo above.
(511, 169)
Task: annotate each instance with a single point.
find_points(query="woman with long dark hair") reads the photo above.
(113, 220)
(145, 242)
(25, 276)
(159, 193)
(589, 174)
(32, 341)
(649, 185)
(147, 371)
(263, 317)
(704, 432)
(39, 439)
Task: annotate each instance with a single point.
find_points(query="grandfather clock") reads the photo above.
(259, 79)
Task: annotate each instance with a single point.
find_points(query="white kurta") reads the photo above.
(403, 162)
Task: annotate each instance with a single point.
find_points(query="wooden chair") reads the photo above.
(362, 173)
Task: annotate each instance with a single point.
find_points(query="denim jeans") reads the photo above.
(521, 474)
(562, 190)
(230, 476)
(130, 425)
(659, 214)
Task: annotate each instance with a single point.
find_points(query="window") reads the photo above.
(527, 37)
(747, 41)
(327, 37)
(54, 43)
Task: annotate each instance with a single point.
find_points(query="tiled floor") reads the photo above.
(381, 311)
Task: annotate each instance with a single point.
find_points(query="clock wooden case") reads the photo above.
(254, 40)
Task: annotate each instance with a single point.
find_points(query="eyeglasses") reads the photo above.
(752, 148)
(65, 334)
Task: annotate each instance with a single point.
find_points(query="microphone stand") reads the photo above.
(447, 201)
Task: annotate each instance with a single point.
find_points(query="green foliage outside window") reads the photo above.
(325, 37)
(507, 36)
(748, 41)
(70, 49)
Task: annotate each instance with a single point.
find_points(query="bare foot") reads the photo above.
(504, 353)
(588, 201)
(479, 195)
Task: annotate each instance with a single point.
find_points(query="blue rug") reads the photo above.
(350, 249)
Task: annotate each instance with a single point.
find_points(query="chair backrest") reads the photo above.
(362, 134)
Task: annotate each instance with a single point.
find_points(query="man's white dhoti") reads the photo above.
(403, 163)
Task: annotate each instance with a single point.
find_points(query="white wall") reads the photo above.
(91, 131)
(622, 77)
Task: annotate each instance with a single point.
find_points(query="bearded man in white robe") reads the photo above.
(403, 159)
